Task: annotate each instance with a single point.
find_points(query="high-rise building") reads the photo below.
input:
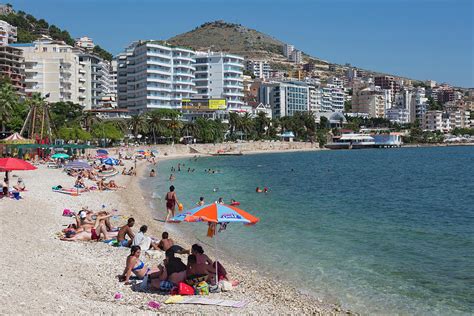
(285, 98)
(315, 99)
(388, 83)
(8, 33)
(153, 75)
(94, 80)
(51, 69)
(260, 68)
(287, 50)
(332, 99)
(12, 66)
(220, 75)
(369, 100)
(296, 56)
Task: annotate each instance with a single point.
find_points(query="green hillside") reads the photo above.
(30, 28)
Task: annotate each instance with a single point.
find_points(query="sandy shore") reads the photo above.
(45, 275)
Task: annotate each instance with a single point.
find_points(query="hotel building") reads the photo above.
(220, 75)
(152, 75)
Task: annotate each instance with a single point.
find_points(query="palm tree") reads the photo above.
(89, 119)
(246, 124)
(138, 124)
(8, 99)
(262, 124)
(156, 122)
(234, 122)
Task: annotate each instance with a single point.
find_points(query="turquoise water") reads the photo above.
(378, 231)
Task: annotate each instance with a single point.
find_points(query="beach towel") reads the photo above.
(178, 299)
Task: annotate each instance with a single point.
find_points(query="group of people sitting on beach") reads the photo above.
(6, 189)
(131, 172)
(172, 271)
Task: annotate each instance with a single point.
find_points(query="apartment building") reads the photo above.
(93, 80)
(12, 66)
(84, 42)
(260, 68)
(369, 100)
(153, 75)
(315, 99)
(332, 99)
(51, 69)
(220, 75)
(285, 98)
(398, 115)
(8, 33)
(388, 83)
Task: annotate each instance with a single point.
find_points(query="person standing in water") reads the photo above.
(201, 201)
(171, 201)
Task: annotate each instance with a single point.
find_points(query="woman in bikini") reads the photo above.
(171, 201)
(135, 265)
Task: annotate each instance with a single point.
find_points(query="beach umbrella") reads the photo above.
(102, 152)
(78, 164)
(10, 164)
(60, 156)
(216, 213)
(110, 161)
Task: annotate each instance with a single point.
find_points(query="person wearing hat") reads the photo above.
(20, 185)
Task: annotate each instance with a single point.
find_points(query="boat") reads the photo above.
(351, 141)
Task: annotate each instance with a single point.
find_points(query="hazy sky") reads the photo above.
(421, 39)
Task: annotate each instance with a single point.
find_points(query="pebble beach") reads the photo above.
(45, 275)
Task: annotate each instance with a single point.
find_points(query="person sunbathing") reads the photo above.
(20, 185)
(103, 227)
(173, 270)
(112, 185)
(198, 270)
(101, 185)
(126, 231)
(166, 244)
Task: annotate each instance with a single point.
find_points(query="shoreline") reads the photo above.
(87, 271)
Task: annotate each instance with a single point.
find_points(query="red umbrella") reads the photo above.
(10, 164)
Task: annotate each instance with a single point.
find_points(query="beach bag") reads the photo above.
(184, 289)
(202, 288)
(68, 213)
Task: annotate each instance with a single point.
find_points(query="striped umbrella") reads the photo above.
(216, 213)
(78, 164)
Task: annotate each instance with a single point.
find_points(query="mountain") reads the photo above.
(29, 28)
(252, 44)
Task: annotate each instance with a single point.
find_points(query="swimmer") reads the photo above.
(172, 177)
(201, 201)
(258, 190)
(265, 190)
(215, 189)
(220, 201)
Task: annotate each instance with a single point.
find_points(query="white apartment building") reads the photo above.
(218, 76)
(296, 56)
(433, 121)
(336, 82)
(398, 115)
(332, 99)
(285, 98)
(93, 80)
(51, 69)
(315, 99)
(153, 75)
(8, 33)
(420, 102)
(287, 50)
(260, 68)
(84, 42)
(113, 78)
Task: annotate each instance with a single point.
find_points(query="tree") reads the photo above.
(8, 101)
(262, 124)
(434, 105)
(88, 119)
(234, 123)
(66, 114)
(107, 131)
(347, 106)
(138, 124)
(246, 125)
(102, 53)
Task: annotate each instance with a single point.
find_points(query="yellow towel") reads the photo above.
(174, 299)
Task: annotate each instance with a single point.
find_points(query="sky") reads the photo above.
(419, 39)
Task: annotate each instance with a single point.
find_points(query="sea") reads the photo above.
(377, 231)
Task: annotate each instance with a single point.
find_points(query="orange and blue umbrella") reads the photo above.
(216, 213)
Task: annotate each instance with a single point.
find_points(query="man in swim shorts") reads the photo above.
(168, 243)
(126, 231)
